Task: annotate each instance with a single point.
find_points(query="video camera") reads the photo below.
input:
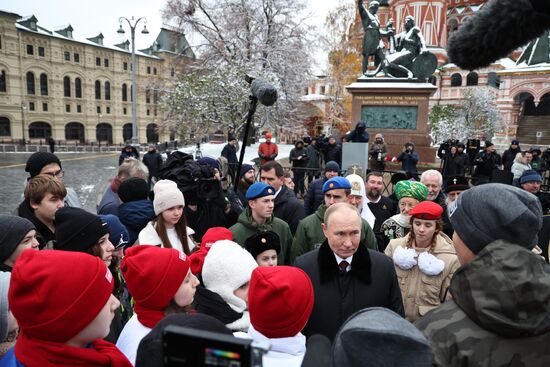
(186, 347)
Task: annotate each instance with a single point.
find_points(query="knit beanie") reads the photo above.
(77, 230)
(207, 161)
(150, 353)
(4, 305)
(245, 168)
(133, 189)
(12, 231)
(332, 166)
(153, 276)
(55, 294)
(167, 195)
(118, 234)
(495, 211)
(530, 175)
(383, 338)
(39, 160)
(226, 268)
(280, 300)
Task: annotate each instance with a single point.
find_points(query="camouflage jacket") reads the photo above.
(499, 314)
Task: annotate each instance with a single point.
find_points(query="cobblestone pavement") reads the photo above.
(87, 173)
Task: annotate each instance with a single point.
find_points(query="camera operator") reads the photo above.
(409, 158)
(359, 134)
(378, 152)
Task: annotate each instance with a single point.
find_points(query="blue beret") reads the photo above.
(336, 183)
(259, 190)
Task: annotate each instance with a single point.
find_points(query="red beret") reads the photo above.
(427, 210)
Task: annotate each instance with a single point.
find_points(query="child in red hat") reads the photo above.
(425, 261)
(161, 283)
(64, 306)
(280, 301)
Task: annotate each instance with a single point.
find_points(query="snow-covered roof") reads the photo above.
(313, 97)
(523, 67)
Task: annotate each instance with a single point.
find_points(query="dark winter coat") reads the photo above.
(508, 158)
(314, 161)
(209, 213)
(333, 153)
(295, 153)
(408, 161)
(109, 202)
(135, 215)
(372, 282)
(153, 161)
(230, 152)
(314, 196)
(455, 165)
(382, 210)
(124, 154)
(288, 208)
(498, 315)
(309, 234)
(246, 227)
(485, 164)
(212, 304)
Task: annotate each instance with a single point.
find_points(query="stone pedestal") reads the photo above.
(397, 108)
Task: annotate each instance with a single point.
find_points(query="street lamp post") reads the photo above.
(133, 23)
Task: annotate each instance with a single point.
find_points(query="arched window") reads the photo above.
(472, 78)
(43, 84)
(456, 80)
(152, 133)
(104, 132)
(74, 131)
(78, 88)
(107, 91)
(5, 129)
(131, 93)
(127, 132)
(40, 130)
(97, 89)
(3, 81)
(147, 96)
(30, 83)
(124, 93)
(67, 86)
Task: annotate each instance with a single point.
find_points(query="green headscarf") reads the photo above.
(411, 189)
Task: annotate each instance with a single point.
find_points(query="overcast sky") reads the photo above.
(89, 18)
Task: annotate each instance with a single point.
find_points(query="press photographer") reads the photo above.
(378, 153)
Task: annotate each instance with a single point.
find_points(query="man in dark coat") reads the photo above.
(333, 151)
(380, 206)
(287, 207)
(485, 163)
(510, 154)
(298, 157)
(230, 153)
(153, 160)
(346, 276)
(128, 152)
(314, 161)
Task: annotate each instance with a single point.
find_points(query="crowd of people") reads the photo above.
(440, 272)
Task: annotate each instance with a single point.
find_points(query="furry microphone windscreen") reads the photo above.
(496, 30)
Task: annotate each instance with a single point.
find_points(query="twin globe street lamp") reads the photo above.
(133, 23)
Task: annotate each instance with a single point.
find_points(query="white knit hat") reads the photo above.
(226, 268)
(167, 195)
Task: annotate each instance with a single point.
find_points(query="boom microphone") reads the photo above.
(318, 352)
(263, 91)
(497, 29)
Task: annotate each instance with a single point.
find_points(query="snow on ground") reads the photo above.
(251, 152)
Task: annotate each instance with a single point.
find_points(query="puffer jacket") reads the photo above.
(246, 227)
(135, 215)
(420, 292)
(499, 314)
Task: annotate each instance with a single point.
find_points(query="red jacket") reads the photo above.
(267, 152)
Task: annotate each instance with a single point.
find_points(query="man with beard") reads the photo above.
(380, 207)
(454, 186)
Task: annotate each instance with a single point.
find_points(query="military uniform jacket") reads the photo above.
(371, 282)
(499, 314)
(309, 234)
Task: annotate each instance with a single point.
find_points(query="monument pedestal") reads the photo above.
(396, 108)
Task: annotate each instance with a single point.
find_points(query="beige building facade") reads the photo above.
(53, 84)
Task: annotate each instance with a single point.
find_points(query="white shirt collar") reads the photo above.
(277, 193)
(339, 260)
(376, 201)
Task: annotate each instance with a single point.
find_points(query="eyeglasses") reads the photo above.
(57, 174)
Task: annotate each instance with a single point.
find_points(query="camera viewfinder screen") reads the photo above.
(222, 358)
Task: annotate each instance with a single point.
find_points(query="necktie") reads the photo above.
(343, 266)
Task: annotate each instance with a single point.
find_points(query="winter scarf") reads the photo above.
(32, 352)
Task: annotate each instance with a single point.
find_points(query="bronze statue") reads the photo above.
(372, 39)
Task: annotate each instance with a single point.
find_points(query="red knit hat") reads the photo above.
(216, 234)
(48, 304)
(280, 300)
(427, 210)
(153, 276)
